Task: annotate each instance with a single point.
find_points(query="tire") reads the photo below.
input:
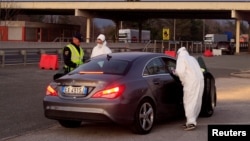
(209, 97)
(70, 123)
(144, 118)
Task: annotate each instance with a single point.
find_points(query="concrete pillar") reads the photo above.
(248, 37)
(2, 54)
(24, 53)
(88, 23)
(88, 27)
(60, 53)
(42, 51)
(237, 34)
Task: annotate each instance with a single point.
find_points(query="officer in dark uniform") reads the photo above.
(73, 54)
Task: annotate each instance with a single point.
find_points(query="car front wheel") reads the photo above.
(144, 118)
(70, 123)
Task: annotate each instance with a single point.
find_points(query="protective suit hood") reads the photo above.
(182, 51)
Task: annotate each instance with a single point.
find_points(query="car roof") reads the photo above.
(129, 56)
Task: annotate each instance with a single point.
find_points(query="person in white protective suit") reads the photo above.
(191, 77)
(101, 47)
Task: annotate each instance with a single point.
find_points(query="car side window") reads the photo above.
(115, 67)
(170, 64)
(155, 66)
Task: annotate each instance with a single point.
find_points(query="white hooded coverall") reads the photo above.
(100, 49)
(191, 76)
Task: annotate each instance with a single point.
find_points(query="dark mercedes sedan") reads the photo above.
(129, 88)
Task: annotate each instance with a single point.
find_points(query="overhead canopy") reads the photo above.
(133, 11)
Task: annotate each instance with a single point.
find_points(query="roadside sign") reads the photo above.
(165, 34)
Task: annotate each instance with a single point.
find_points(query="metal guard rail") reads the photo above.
(30, 52)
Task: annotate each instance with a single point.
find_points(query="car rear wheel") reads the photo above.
(209, 98)
(70, 123)
(144, 118)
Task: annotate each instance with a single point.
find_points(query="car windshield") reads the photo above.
(103, 67)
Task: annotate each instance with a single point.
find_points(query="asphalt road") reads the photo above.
(23, 88)
(22, 91)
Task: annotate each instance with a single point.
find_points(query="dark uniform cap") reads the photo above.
(78, 36)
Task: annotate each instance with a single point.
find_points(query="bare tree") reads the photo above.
(8, 11)
(109, 31)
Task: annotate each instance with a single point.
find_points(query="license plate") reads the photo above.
(74, 90)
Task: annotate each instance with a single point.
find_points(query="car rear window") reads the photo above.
(105, 66)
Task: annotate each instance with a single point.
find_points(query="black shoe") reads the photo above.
(189, 127)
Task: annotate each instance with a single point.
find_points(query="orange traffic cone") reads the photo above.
(170, 53)
(48, 62)
(208, 53)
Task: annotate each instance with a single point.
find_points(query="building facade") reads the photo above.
(35, 31)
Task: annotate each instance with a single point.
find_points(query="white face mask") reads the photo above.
(99, 45)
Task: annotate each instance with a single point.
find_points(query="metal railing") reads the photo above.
(161, 46)
(30, 52)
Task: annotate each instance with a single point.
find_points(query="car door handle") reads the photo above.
(156, 82)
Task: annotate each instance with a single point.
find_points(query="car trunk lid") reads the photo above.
(84, 85)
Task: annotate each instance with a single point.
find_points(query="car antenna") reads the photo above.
(108, 57)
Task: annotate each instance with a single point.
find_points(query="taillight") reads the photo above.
(110, 93)
(50, 91)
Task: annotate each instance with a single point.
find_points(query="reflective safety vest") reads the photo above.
(76, 57)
